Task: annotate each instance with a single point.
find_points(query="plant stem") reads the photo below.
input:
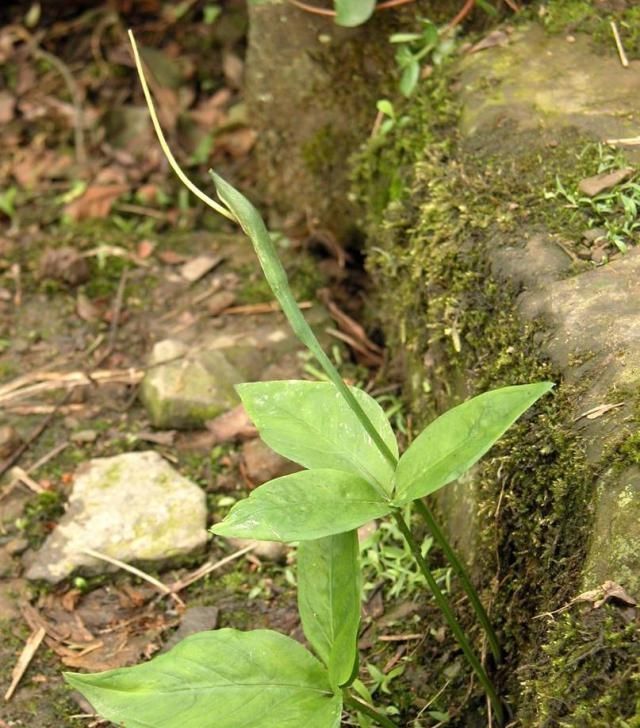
(453, 623)
(452, 558)
(362, 707)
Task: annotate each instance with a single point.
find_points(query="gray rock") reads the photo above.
(132, 507)
(267, 550)
(10, 441)
(195, 619)
(186, 386)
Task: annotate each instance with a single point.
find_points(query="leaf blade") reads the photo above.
(456, 440)
(311, 424)
(350, 13)
(304, 506)
(224, 678)
(329, 588)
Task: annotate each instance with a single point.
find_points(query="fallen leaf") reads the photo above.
(196, 268)
(95, 202)
(601, 409)
(592, 186)
(211, 113)
(232, 425)
(606, 592)
(85, 309)
(233, 69)
(170, 257)
(495, 38)
(7, 107)
(145, 248)
(237, 143)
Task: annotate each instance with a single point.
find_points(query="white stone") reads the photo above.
(132, 507)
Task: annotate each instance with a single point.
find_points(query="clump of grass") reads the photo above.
(615, 211)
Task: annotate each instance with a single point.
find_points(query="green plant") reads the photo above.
(354, 474)
(616, 211)
(413, 48)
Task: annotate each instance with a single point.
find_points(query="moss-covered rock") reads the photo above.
(488, 292)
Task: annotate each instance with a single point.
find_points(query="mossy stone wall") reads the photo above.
(489, 292)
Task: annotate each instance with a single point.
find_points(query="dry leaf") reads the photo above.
(85, 308)
(237, 143)
(233, 69)
(605, 593)
(95, 201)
(232, 425)
(196, 268)
(145, 248)
(7, 107)
(592, 186)
(170, 257)
(601, 409)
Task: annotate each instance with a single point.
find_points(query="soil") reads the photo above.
(95, 234)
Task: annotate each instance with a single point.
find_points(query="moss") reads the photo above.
(588, 673)
(40, 516)
(593, 17)
(458, 334)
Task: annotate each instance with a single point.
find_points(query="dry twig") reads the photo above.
(29, 650)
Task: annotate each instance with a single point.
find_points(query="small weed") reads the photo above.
(414, 48)
(386, 559)
(615, 211)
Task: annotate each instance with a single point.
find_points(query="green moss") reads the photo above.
(589, 16)
(458, 333)
(40, 516)
(588, 673)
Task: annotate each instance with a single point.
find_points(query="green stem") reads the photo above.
(453, 623)
(362, 707)
(452, 557)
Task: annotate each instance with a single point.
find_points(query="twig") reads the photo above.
(47, 381)
(207, 568)
(38, 464)
(628, 141)
(462, 14)
(137, 572)
(29, 650)
(616, 35)
(257, 308)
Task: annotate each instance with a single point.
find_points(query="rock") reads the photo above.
(84, 436)
(262, 463)
(184, 387)
(16, 546)
(66, 265)
(195, 619)
(10, 441)
(268, 550)
(132, 507)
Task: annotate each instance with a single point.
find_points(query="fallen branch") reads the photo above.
(40, 382)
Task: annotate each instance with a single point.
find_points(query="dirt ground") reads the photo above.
(95, 235)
